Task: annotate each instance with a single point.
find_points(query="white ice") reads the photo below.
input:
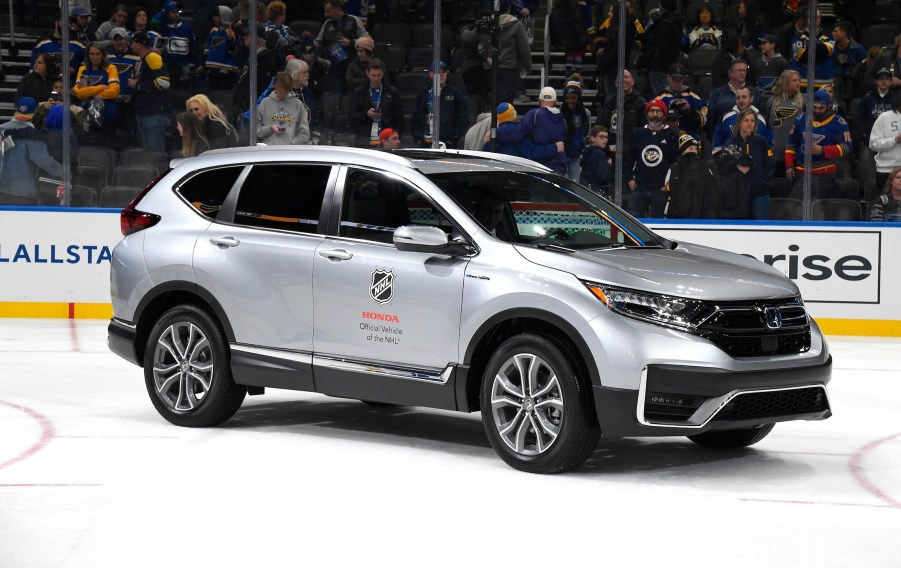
(91, 476)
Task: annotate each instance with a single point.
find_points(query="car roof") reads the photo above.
(425, 160)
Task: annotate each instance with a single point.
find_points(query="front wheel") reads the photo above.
(187, 372)
(732, 439)
(536, 408)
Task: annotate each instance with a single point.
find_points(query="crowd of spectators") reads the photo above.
(714, 92)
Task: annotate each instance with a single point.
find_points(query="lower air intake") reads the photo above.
(775, 403)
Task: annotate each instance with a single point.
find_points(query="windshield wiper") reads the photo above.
(553, 247)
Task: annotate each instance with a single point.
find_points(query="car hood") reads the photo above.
(690, 271)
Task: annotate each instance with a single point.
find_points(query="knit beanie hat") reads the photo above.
(685, 141)
(822, 96)
(505, 112)
(573, 86)
(655, 103)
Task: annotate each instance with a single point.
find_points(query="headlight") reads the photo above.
(669, 311)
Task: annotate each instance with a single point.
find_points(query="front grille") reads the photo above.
(775, 403)
(741, 330)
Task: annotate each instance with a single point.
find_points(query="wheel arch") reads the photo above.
(509, 323)
(165, 296)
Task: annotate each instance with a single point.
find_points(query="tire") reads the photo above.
(548, 428)
(187, 369)
(732, 439)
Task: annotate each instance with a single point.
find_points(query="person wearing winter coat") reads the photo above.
(475, 46)
(606, 44)
(454, 115)
(24, 158)
(662, 43)
(282, 117)
(514, 57)
(569, 32)
(693, 187)
(374, 106)
(633, 111)
(887, 207)
(733, 168)
(541, 127)
(507, 135)
(597, 167)
(578, 122)
(748, 141)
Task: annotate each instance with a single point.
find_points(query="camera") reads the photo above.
(486, 24)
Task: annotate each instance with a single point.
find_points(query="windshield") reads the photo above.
(543, 209)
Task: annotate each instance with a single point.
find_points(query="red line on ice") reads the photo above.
(46, 434)
(857, 470)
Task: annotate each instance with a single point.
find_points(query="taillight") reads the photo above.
(131, 220)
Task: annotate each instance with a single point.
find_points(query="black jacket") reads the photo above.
(693, 189)
(361, 102)
(596, 172)
(34, 86)
(633, 108)
(663, 42)
(735, 187)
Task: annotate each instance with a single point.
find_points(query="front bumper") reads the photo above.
(121, 339)
(677, 400)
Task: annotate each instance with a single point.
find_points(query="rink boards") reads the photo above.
(54, 263)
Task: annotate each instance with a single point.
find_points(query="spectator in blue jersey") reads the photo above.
(578, 122)
(831, 141)
(768, 66)
(26, 155)
(98, 78)
(276, 14)
(150, 84)
(220, 54)
(847, 54)
(120, 55)
(454, 115)
(182, 53)
(654, 148)
(690, 106)
(725, 128)
(823, 45)
(38, 83)
(52, 44)
(507, 134)
(540, 128)
(745, 137)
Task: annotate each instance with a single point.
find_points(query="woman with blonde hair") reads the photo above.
(215, 127)
(782, 110)
(193, 141)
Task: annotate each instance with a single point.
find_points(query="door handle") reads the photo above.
(336, 254)
(225, 242)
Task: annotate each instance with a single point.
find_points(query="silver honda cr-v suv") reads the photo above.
(454, 280)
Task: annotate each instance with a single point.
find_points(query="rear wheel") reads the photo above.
(536, 408)
(730, 439)
(187, 370)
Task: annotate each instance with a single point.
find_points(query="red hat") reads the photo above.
(655, 103)
(385, 133)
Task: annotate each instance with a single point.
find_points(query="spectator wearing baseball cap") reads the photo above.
(768, 65)
(150, 86)
(578, 123)
(79, 18)
(454, 113)
(183, 63)
(652, 150)
(24, 154)
(389, 139)
(691, 107)
(542, 133)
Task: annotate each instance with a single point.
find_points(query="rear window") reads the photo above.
(207, 190)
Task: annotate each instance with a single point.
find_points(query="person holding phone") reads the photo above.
(374, 107)
(282, 117)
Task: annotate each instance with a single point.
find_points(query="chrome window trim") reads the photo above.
(710, 408)
(427, 375)
(305, 357)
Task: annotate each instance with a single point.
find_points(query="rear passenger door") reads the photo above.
(257, 262)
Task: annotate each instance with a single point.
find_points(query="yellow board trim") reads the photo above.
(55, 310)
(829, 326)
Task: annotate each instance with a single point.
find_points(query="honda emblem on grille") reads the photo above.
(773, 317)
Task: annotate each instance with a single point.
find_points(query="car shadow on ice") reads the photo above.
(463, 434)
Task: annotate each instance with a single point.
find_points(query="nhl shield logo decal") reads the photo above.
(381, 286)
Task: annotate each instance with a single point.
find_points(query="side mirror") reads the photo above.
(418, 238)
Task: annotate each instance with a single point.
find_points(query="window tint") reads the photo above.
(207, 190)
(280, 196)
(375, 204)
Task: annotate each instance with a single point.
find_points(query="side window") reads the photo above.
(207, 190)
(376, 204)
(283, 196)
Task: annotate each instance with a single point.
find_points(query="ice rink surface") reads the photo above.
(91, 476)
